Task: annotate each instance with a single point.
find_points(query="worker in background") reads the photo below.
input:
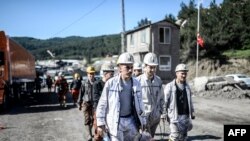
(62, 89)
(38, 82)
(75, 87)
(120, 109)
(137, 69)
(179, 105)
(86, 102)
(49, 83)
(108, 72)
(152, 92)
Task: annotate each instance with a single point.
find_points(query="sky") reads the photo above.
(44, 19)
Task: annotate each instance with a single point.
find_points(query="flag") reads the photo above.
(200, 41)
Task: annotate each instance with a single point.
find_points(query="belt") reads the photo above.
(126, 116)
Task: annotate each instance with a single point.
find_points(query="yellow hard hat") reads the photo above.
(90, 69)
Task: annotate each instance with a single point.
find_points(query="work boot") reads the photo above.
(75, 105)
(64, 104)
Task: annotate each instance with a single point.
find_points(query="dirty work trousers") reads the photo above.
(179, 130)
(127, 130)
(62, 96)
(153, 121)
(88, 112)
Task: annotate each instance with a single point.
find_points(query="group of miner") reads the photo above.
(126, 105)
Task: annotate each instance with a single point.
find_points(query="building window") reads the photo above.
(131, 39)
(165, 63)
(165, 34)
(143, 36)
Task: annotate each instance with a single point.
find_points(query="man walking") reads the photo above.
(178, 100)
(108, 72)
(75, 87)
(120, 109)
(137, 69)
(62, 89)
(87, 102)
(152, 92)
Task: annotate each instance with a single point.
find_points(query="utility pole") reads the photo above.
(197, 45)
(123, 49)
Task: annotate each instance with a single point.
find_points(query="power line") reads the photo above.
(77, 20)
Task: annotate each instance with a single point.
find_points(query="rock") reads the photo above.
(200, 83)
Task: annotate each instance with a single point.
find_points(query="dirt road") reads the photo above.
(41, 119)
(213, 113)
(211, 116)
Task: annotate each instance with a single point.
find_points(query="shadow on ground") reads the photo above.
(164, 137)
(39, 102)
(203, 137)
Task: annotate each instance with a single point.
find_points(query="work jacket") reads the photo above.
(152, 95)
(108, 109)
(76, 84)
(171, 101)
(98, 87)
(86, 92)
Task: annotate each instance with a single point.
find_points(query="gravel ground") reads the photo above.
(41, 119)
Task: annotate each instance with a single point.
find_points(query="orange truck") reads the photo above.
(17, 71)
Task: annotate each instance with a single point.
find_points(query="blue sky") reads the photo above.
(45, 19)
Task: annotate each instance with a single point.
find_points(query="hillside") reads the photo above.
(209, 67)
(92, 47)
(73, 47)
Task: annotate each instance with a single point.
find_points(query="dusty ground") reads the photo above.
(46, 121)
(213, 113)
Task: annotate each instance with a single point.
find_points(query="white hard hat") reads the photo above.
(181, 67)
(125, 58)
(137, 66)
(60, 74)
(108, 66)
(150, 59)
